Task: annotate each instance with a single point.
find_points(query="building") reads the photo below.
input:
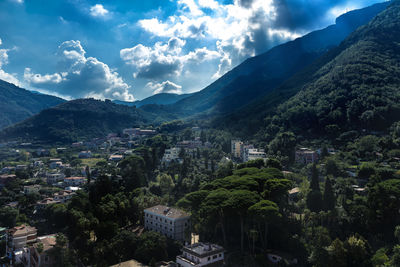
(63, 196)
(253, 154)
(85, 155)
(40, 252)
(116, 158)
(31, 189)
(74, 181)
(55, 164)
(130, 263)
(53, 178)
(191, 144)
(42, 204)
(306, 156)
(20, 236)
(201, 254)
(170, 222)
(236, 148)
(171, 154)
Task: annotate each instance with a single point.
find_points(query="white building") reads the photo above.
(74, 181)
(253, 154)
(31, 189)
(201, 254)
(170, 222)
(171, 154)
(53, 178)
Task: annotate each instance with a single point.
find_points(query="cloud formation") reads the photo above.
(81, 76)
(164, 59)
(164, 87)
(98, 10)
(239, 30)
(8, 77)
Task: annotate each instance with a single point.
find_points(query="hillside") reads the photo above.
(158, 99)
(17, 104)
(80, 119)
(259, 75)
(355, 86)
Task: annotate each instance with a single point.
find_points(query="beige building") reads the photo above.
(170, 222)
(236, 147)
(20, 236)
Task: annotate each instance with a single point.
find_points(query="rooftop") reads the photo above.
(168, 212)
(203, 249)
(48, 241)
(22, 230)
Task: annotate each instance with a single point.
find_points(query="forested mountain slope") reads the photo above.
(80, 119)
(259, 75)
(17, 104)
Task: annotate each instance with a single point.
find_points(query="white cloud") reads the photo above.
(81, 76)
(41, 79)
(164, 87)
(98, 10)
(8, 77)
(239, 30)
(163, 59)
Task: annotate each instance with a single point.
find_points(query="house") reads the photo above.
(116, 158)
(201, 254)
(170, 222)
(31, 189)
(20, 236)
(236, 148)
(85, 155)
(74, 181)
(21, 167)
(7, 169)
(41, 152)
(170, 154)
(293, 194)
(191, 144)
(306, 156)
(55, 163)
(63, 196)
(42, 204)
(40, 252)
(53, 178)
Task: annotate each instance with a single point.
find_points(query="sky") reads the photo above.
(132, 49)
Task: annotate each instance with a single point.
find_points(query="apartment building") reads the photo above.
(170, 222)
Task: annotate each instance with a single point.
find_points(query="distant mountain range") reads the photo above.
(80, 119)
(17, 104)
(158, 99)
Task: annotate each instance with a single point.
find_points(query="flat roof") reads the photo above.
(168, 212)
(203, 249)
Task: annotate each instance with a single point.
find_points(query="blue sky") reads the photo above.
(127, 50)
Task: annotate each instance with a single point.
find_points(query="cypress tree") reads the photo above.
(329, 196)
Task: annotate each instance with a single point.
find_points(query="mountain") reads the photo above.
(17, 104)
(80, 119)
(355, 87)
(158, 99)
(259, 75)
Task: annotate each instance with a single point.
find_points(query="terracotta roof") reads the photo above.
(22, 230)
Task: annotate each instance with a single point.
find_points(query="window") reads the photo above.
(215, 256)
(165, 220)
(209, 258)
(220, 254)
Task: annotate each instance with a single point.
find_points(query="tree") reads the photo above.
(133, 171)
(166, 183)
(273, 163)
(8, 217)
(238, 203)
(329, 196)
(266, 212)
(314, 197)
(395, 259)
(337, 254)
